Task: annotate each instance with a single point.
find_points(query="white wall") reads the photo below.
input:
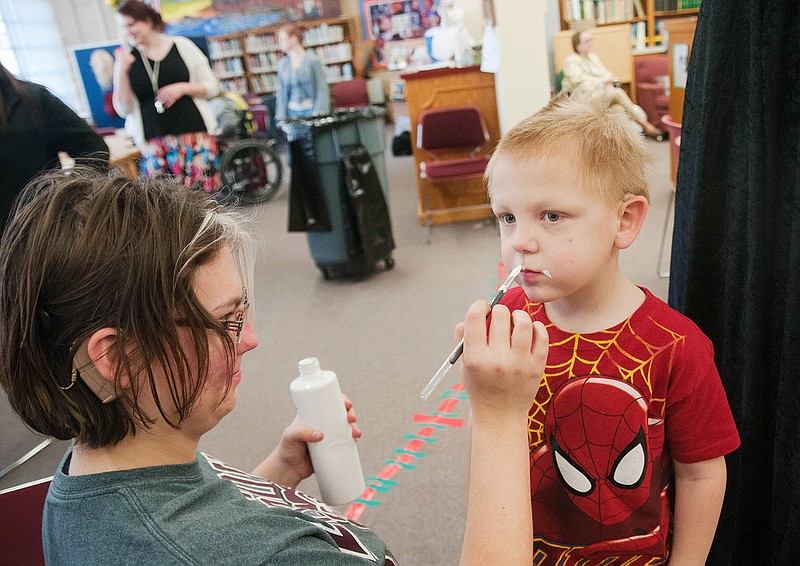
(83, 22)
(523, 80)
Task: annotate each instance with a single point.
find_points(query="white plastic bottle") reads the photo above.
(318, 400)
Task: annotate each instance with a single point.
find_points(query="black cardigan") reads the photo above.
(30, 143)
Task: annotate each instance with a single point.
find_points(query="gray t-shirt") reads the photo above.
(200, 513)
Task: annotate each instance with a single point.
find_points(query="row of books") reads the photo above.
(268, 82)
(219, 48)
(608, 11)
(672, 5)
(267, 61)
(604, 11)
(224, 68)
(238, 84)
(320, 35)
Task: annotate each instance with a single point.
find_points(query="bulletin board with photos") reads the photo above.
(388, 24)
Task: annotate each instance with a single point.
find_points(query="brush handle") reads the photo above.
(459, 349)
(456, 353)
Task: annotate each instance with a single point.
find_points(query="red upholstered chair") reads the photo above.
(650, 93)
(21, 508)
(260, 116)
(450, 141)
(350, 94)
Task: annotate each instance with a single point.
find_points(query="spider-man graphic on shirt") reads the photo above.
(613, 410)
(596, 469)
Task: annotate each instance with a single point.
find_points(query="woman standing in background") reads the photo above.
(162, 86)
(302, 87)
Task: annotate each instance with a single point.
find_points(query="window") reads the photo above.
(32, 49)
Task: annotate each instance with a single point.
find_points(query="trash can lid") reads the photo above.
(340, 116)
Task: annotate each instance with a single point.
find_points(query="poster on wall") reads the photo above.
(680, 64)
(95, 66)
(386, 22)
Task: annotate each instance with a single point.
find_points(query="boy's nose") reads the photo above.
(524, 241)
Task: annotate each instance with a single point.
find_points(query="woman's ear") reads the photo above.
(631, 214)
(97, 361)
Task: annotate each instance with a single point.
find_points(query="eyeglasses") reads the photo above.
(236, 325)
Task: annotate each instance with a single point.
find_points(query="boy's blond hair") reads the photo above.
(593, 132)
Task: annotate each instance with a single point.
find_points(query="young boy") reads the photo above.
(630, 426)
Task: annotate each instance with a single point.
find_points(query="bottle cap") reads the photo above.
(308, 367)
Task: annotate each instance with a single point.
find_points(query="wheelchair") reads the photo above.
(250, 168)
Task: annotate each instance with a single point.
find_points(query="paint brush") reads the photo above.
(459, 349)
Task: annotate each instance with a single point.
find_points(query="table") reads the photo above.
(124, 155)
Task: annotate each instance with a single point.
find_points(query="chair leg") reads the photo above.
(427, 210)
(430, 230)
(31, 453)
(670, 211)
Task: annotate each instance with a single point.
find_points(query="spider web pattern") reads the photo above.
(620, 351)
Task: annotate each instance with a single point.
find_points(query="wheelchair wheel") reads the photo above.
(251, 170)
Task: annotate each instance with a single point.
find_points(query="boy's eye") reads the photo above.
(552, 216)
(506, 218)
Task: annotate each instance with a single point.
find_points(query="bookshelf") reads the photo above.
(645, 16)
(247, 62)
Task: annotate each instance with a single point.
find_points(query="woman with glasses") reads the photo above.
(125, 309)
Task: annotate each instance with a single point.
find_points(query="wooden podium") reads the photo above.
(442, 88)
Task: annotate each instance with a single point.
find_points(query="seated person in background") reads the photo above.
(34, 127)
(125, 322)
(630, 427)
(584, 70)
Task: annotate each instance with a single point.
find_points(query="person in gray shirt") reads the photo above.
(125, 322)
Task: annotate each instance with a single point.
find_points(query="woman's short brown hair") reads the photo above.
(84, 251)
(293, 30)
(141, 12)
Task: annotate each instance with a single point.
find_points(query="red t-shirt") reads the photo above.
(614, 409)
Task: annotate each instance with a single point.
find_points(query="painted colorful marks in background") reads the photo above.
(220, 17)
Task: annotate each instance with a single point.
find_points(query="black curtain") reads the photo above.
(735, 268)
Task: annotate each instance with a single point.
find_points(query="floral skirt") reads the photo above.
(193, 159)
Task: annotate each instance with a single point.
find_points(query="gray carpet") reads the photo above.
(384, 336)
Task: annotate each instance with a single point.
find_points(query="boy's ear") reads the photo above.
(97, 361)
(631, 214)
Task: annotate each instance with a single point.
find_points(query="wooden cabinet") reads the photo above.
(648, 15)
(440, 88)
(681, 35)
(247, 62)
